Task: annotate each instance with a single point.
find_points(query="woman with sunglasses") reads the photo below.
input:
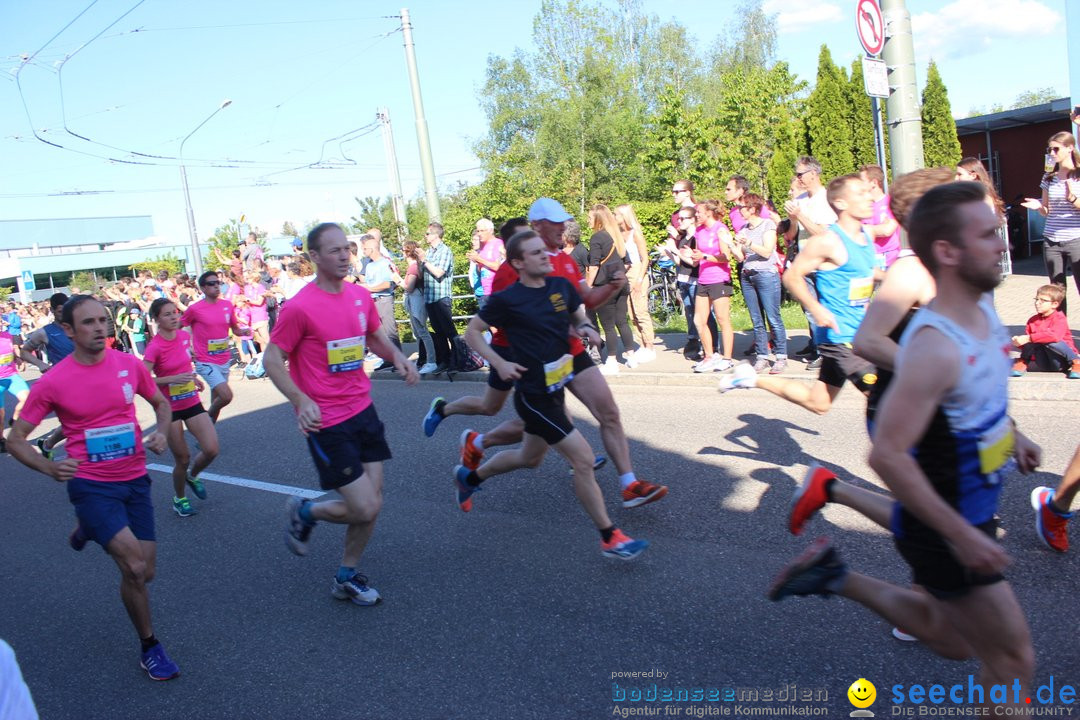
(1060, 203)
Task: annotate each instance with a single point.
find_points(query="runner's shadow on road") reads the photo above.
(773, 441)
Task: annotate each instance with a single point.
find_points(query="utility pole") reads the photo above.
(905, 116)
(396, 201)
(1072, 33)
(431, 195)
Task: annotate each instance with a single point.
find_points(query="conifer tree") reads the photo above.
(941, 146)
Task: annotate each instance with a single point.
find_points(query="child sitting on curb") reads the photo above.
(1047, 345)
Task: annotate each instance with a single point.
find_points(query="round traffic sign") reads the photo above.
(870, 26)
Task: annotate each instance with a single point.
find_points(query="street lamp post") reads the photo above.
(193, 235)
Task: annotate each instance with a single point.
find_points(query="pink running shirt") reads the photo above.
(886, 247)
(99, 420)
(325, 336)
(7, 356)
(210, 325)
(173, 357)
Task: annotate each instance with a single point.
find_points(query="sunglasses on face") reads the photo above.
(211, 283)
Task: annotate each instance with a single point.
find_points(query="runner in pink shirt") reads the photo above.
(168, 356)
(10, 381)
(105, 470)
(323, 331)
(210, 320)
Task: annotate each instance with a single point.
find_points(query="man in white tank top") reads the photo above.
(942, 442)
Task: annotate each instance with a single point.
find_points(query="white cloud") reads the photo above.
(806, 14)
(966, 26)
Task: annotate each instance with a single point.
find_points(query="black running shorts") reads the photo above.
(341, 450)
(544, 415)
(935, 568)
(840, 363)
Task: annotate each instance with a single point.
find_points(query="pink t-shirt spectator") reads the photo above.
(173, 357)
(7, 357)
(325, 336)
(259, 313)
(99, 420)
(886, 247)
(210, 323)
(492, 252)
(708, 242)
(243, 317)
(738, 222)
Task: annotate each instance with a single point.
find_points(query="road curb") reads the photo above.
(1029, 387)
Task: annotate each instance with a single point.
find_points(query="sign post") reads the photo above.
(870, 27)
(26, 286)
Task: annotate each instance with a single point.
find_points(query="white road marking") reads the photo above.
(245, 482)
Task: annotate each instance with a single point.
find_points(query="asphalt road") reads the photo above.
(509, 611)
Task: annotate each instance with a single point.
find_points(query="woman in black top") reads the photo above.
(607, 256)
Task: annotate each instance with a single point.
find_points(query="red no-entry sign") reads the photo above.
(870, 26)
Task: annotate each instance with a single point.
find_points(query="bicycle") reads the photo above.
(663, 292)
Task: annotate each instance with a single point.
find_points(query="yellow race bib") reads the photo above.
(559, 372)
(182, 391)
(345, 355)
(217, 347)
(996, 446)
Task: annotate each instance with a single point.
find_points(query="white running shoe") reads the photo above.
(708, 364)
(644, 355)
(723, 365)
(428, 368)
(611, 367)
(743, 377)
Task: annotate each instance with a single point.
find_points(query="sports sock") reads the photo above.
(344, 573)
(478, 442)
(305, 513)
(439, 408)
(828, 489)
(627, 479)
(472, 479)
(606, 533)
(1054, 509)
(148, 643)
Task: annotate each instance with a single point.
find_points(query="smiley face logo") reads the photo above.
(862, 693)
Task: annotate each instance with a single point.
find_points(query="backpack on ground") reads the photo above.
(255, 368)
(463, 358)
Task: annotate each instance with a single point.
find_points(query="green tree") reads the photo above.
(941, 146)
(288, 229)
(5, 292)
(169, 263)
(1035, 97)
(828, 119)
(864, 140)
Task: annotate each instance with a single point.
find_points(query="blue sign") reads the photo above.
(28, 281)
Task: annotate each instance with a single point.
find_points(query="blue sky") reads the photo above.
(299, 76)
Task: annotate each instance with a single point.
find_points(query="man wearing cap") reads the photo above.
(548, 219)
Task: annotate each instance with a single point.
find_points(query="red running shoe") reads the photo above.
(471, 457)
(810, 497)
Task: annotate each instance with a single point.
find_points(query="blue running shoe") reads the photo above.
(462, 490)
(598, 462)
(433, 417)
(297, 531)
(158, 665)
(77, 539)
(196, 486)
(357, 590)
(622, 547)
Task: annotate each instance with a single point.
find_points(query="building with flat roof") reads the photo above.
(52, 250)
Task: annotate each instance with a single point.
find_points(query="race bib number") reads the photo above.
(996, 448)
(7, 358)
(110, 443)
(182, 391)
(217, 347)
(559, 372)
(345, 355)
(860, 290)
